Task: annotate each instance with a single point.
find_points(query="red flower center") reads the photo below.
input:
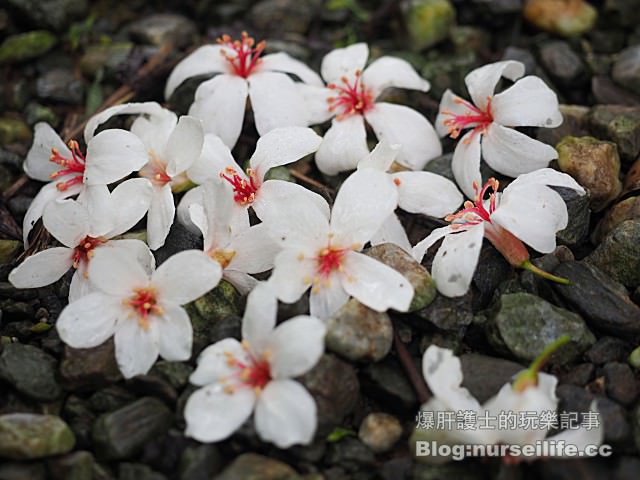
(255, 373)
(244, 192)
(245, 54)
(330, 260)
(144, 303)
(155, 170)
(474, 118)
(475, 212)
(70, 166)
(84, 251)
(351, 97)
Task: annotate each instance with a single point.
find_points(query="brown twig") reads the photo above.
(15, 187)
(418, 383)
(310, 181)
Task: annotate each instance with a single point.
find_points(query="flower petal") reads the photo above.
(344, 61)
(406, 127)
(97, 201)
(153, 109)
(376, 285)
(528, 102)
(273, 193)
(316, 101)
(37, 164)
(456, 260)
(392, 231)
(184, 145)
(204, 60)
(89, 321)
(289, 275)
(511, 153)
(45, 196)
(286, 414)
(215, 158)
(185, 276)
(282, 62)
(547, 176)
(132, 198)
(43, 268)
(482, 81)
(213, 361)
(160, 216)
(175, 333)
(154, 130)
(137, 249)
(136, 347)
(67, 221)
(116, 271)
(282, 146)
(183, 212)
(80, 285)
(243, 282)
(220, 104)
(381, 157)
(259, 316)
(328, 298)
(213, 415)
(388, 72)
(421, 247)
(113, 154)
(254, 250)
(427, 193)
(296, 346)
(466, 163)
(343, 145)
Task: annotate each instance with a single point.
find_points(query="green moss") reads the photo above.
(26, 46)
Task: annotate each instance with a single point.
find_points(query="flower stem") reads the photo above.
(529, 377)
(527, 265)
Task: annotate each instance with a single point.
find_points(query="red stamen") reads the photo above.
(74, 165)
(475, 212)
(155, 170)
(256, 373)
(245, 57)
(243, 192)
(329, 260)
(144, 303)
(474, 118)
(84, 251)
(352, 98)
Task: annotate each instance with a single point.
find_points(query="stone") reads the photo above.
(276, 16)
(80, 418)
(574, 123)
(607, 349)
(13, 130)
(26, 46)
(606, 91)
(442, 166)
(523, 56)
(22, 471)
(578, 375)
(89, 368)
(73, 466)
(449, 314)
(123, 433)
(26, 436)
(465, 37)
(34, 113)
(619, 124)
(60, 85)
(619, 254)
(176, 373)
(632, 180)
(386, 382)
(137, 471)
(448, 72)
(9, 250)
(620, 383)
(30, 371)
(524, 324)
(351, 454)
(251, 466)
(380, 431)
(628, 209)
(199, 462)
(54, 14)
(359, 333)
(457, 470)
(110, 57)
(595, 165)
(484, 376)
(579, 213)
(110, 398)
(395, 257)
(562, 63)
(500, 7)
(428, 22)
(626, 69)
(569, 19)
(161, 28)
(634, 358)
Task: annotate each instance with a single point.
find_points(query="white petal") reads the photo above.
(328, 298)
(215, 158)
(344, 61)
(421, 247)
(184, 145)
(273, 193)
(364, 201)
(343, 145)
(316, 102)
(97, 201)
(80, 285)
(408, 128)
(427, 193)
(456, 260)
(219, 218)
(376, 285)
(46, 195)
(43, 268)
(213, 362)
(511, 153)
(213, 415)
(547, 176)
(175, 333)
(185, 276)
(259, 317)
(37, 164)
(450, 104)
(286, 414)
(137, 249)
(276, 102)
(206, 59)
(112, 155)
(392, 231)
(67, 221)
(116, 271)
(281, 62)
(533, 213)
(582, 436)
(254, 250)
(132, 199)
(220, 104)
(136, 348)
(153, 109)
(192, 197)
(89, 321)
(154, 130)
(482, 81)
(289, 275)
(243, 282)
(296, 346)
(528, 102)
(160, 216)
(392, 72)
(466, 163)
(381, 157)
(282, 146)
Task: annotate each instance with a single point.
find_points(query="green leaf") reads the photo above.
(339, 433)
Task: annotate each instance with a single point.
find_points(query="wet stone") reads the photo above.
(199, 462)
(484, 376)
(30, 371)
(27, 436)
(563, 64)
(251, 466)
(380, 431)
(26, 46)
(386, 382)
(60, 85)
(80, 418)
(619, 254)
(138, 471)
(626, 70)
(351, 454)
(162, 28)
(607, 349)
(89, 368)
(619, 124)
(110, 398)
(449, 314)
(73, 466)
(620, 383)
(579, 217)
(428, 21)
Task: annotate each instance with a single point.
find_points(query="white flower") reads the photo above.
(228, 239)
(532, 392)
(258, 374)
(241, 72)
(528, 102)
(111, 155)
(526, 211)
(322, 253)
(71, 223)
(351, 95)
(141, 309)
(418, 192)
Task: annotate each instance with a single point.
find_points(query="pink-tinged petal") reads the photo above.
(316, 101)
(421, 247)
(132, 199)
(37, 164)
(154, 130)
(204, 60)
(456, 261)
(47, 194)
(274, 193)
(296, 346)
(185, 276)
(344, 62)
(381, 157)
(243, 282)
(213, 362)
(374, 284)
(184, 145)
(254, 250)
(392, 231)
(482, 81)
(276, 102)
(528, 102)
(160, 216)
(116, 271)
(136, 347)
(89, 321)
(183, 213)
(343, 145)
(406, 127)
(43, 268)
(533, 213)
(281, 62)
(67, 221)
(365, 200)
(152, 109)
(450, 105)
(213, 415)
(427, 193)
(220, 104)
(328, 298)
(259, 317)
(112, 155)
(291, 276)
(215, 158)
(286, 414)
(388, 72)
(80, 284)
(282, 146)
(466, 163)
(175, 333)
(511, 153)
(547, 176)
(136, 249)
